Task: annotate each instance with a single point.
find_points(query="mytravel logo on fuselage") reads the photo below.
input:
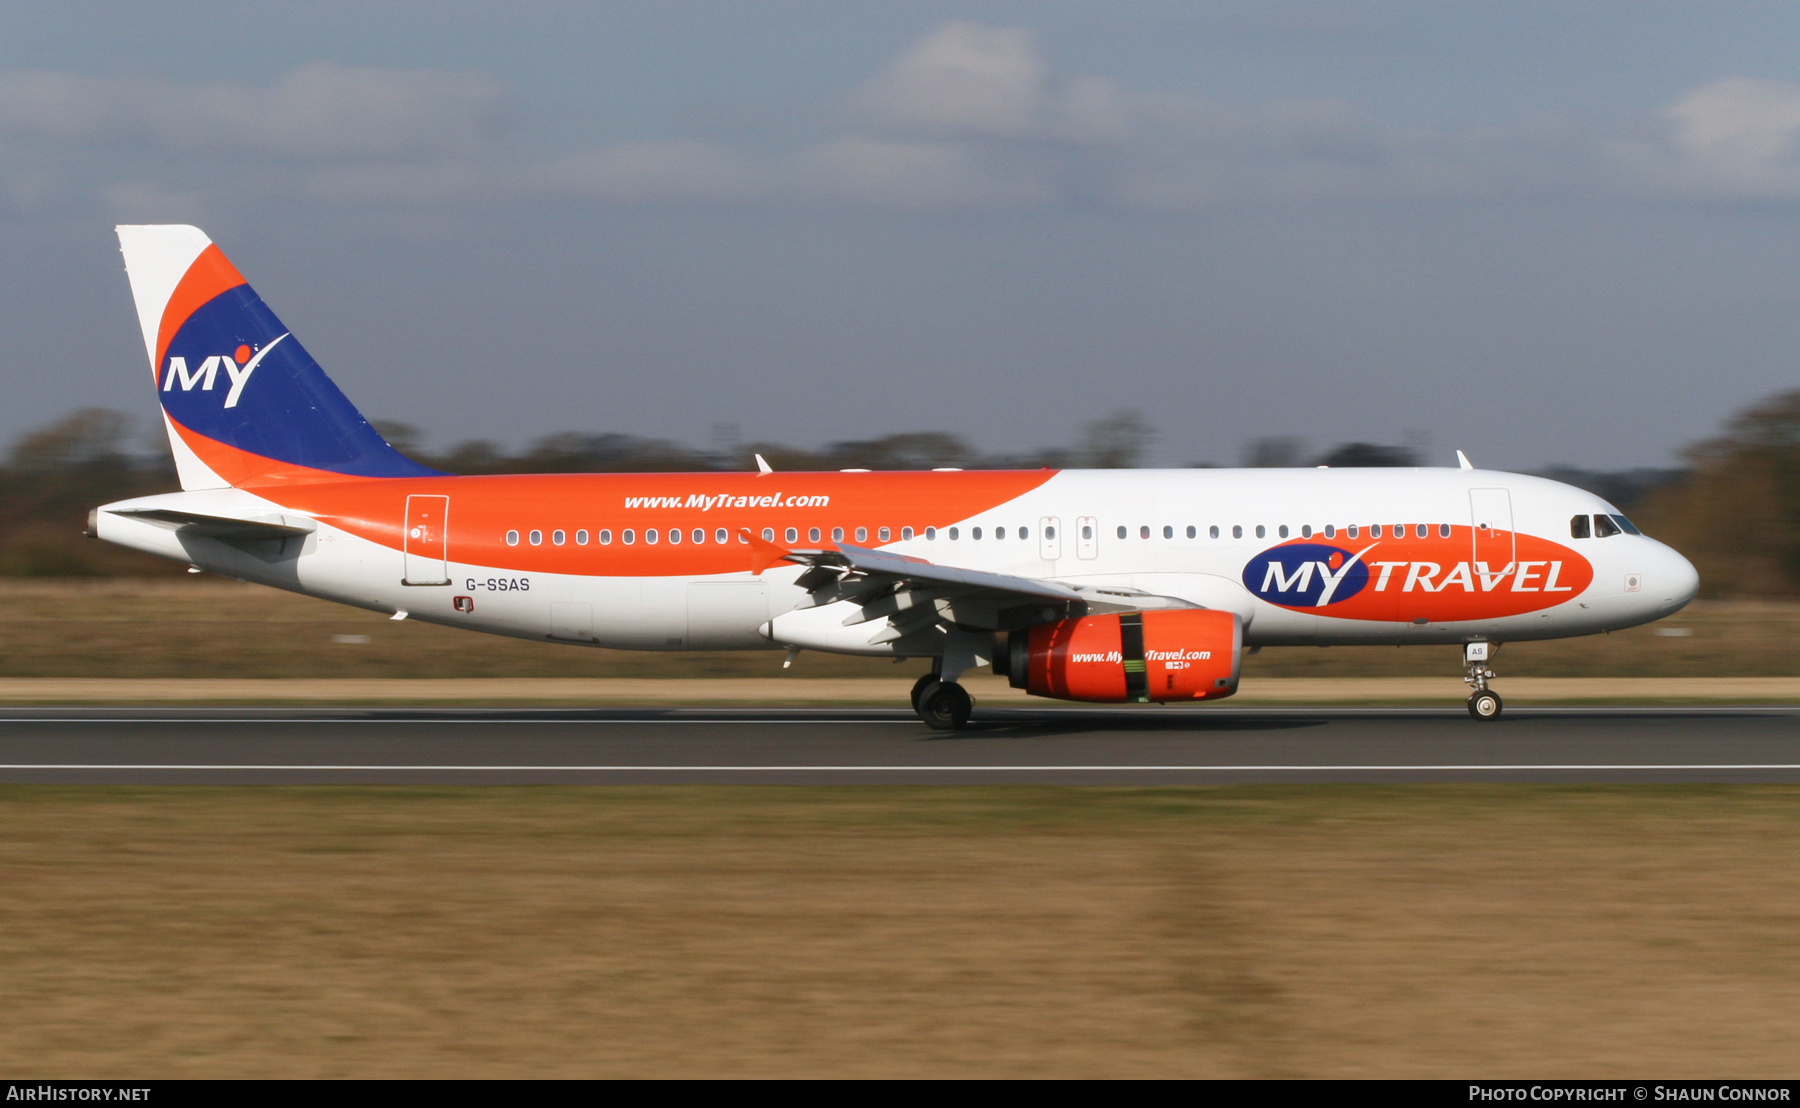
(1441, 577)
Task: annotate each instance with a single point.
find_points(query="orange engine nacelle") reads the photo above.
(1181, 654)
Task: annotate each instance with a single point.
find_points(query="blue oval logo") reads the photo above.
(1306, 575)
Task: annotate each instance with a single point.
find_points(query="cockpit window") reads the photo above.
(1630, 527)
(1604, 527)
(1578, 527)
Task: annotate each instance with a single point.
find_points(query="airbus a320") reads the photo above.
(1090, 585)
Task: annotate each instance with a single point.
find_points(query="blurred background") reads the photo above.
(71, 606)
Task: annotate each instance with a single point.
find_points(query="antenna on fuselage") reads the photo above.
(762, 466)
(1462, 461)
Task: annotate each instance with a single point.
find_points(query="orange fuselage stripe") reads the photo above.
(483, 509)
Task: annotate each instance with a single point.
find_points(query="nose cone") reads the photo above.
(1676, 580)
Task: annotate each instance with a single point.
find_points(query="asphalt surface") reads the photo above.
(856, 745)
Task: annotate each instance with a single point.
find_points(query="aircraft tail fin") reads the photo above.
(243, 401)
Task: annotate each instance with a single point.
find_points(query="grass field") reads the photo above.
(1323, 931)
(205, 627)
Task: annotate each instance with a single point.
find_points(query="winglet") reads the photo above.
(762, 466)
(1462, 461)
(763, 553)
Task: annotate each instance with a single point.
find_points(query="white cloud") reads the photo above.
(1734, 138)
(318, 111)
(972, 116)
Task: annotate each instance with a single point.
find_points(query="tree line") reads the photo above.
(1733, 507)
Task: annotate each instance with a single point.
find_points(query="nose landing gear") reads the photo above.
(1484, 703)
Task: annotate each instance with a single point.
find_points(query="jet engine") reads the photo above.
(1179, 654)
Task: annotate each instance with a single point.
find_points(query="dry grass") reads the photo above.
(1432, 931)
(205, 627)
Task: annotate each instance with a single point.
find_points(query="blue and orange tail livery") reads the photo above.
(244, 402)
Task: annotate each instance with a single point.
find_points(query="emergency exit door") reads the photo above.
(426, 540)
(1087, 537)
(1491, 511)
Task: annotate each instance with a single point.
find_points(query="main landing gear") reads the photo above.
(1484, 703)
(943, 705)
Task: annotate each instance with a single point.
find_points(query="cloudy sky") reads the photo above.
(1541, 232)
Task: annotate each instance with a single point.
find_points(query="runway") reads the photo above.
(1075, 746)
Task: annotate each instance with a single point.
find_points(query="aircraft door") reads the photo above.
(1049, 538)
(1491, 512)
(572, 622)
(1087, 537)
(426, 540)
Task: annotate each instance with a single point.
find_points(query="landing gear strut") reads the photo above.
(1484, 703)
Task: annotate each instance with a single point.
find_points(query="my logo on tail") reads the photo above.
(238, 365)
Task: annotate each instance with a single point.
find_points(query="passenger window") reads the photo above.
(1191, 532)
(581, 538)
(769, 534)
(1306, 530)
(1049, 533)
(558, 538)
(837, 534)
(1168, 532)
(862, 534)
(1282, 531)
(700, 535)
(953, 535)
(605, 537)
(812, 534)
(882, 535)
(1578, 527)
(1121, 532)
(1604, 527)
(1143, 532)
(650, 535)
(1024, 533)
(792, 535)
(1261, 531)
(906, 534)
(1374, 530)
(1630, 527)
(1353, 530)
(629, 536)
(1087, 532)
(931, 534)
(674, 535)
(1443, 530)
(721, 536)
(975, 534)
(536, 538)
(512, 538)
(1421, 530)
(1237, 531)
(1213, 531)
(1330, 531)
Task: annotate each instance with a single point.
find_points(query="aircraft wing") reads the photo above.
(915, 596)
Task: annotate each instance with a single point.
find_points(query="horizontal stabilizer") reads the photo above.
(225, 527)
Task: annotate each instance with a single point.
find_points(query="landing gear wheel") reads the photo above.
(1485, 705)
(919, 688)
(946, 707)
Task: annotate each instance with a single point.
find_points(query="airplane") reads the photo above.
(1123, 586)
